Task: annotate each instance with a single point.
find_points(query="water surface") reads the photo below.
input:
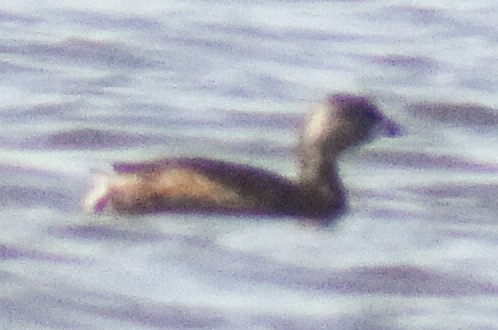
(85, 85)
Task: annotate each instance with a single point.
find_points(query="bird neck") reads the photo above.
(319, 174)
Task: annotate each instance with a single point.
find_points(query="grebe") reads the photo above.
(205, 185)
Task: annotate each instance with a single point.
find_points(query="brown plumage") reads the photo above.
(205, 185)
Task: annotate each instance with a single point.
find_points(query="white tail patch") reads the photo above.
(97, 197)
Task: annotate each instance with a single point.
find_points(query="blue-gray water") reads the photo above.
(84, 85)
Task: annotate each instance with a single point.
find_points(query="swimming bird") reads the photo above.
(338, 123)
